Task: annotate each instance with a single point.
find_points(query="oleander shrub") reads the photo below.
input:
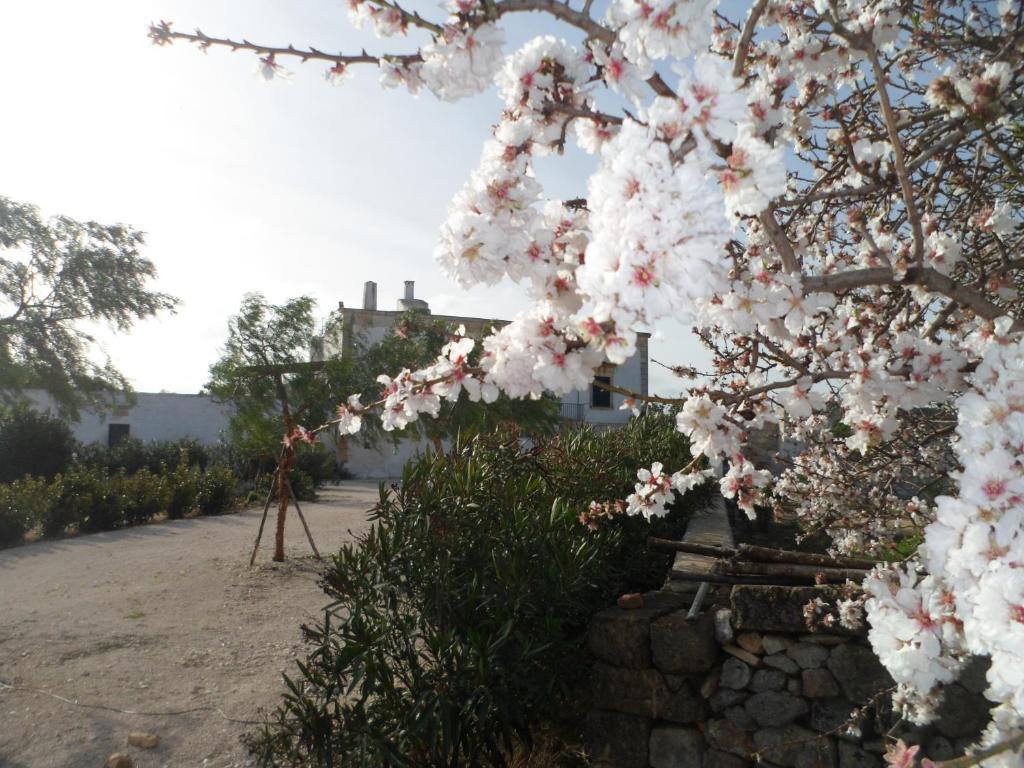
(24, 504)
(182, 486)
(143, 496)
(318, 463)
(456, 631)
(33, 443)
(133, 455)
(217, 491)
(86, 498)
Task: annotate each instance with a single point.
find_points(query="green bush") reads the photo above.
(34, 444)
(87, 498)
(133, 455)
(24, 504)
(318, 463)
(182, 488)
(217, 491)
(458, 621)
(143, 496)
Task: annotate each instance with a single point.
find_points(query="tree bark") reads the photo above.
(282, 508)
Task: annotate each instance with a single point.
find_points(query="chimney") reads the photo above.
(370, 295)
(409, 290)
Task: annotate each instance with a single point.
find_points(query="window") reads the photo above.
(600, 398)
(116, 433)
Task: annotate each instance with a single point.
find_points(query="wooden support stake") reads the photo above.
(715, 578)
(767, 555)
(796, 571)
(686, 546)
(698, 600)
(263, 521)
(762, 554)
(302, 517)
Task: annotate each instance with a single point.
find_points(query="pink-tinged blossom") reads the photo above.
(350, 420)
(269, 69)
(754, 175)
(462, 61)
(659, 29)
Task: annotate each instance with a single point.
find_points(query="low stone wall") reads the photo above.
(745, 683)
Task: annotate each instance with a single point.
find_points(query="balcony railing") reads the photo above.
(573, 411)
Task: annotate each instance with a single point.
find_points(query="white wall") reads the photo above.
(383, 462)
(629, 376)
(153, 417)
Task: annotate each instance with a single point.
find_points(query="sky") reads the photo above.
(285, 188)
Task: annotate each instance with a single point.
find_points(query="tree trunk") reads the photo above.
(282, 509)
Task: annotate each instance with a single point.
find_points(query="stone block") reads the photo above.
(681, 646)
(819, 684)
(674, 747)
(735, 674)
(823, 638)
(782, 662)
(854, 756)
(739, 717)
(829, 714)
(622, 637)
(616, 740)
(745, 656)
(775, 643)
(715, 758)
(961, 713)
(973, 676)
(724, 698)
(684, 706)
(858, 671)
(723, 626)
(726, 737)
(774, 708)
(764, 608)
(750, 642)
(796, 747)
(939, 748)
(767, 680)
(807, 655)
(632, 691)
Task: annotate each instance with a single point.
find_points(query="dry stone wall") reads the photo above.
(744, 683)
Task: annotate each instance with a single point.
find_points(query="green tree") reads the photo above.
(265, 372)
(56, 277)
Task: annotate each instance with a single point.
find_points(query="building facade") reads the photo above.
(597, 406)
(146, 416)
(369, 325)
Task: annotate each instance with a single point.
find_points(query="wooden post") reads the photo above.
(283, 487)
(263, 521)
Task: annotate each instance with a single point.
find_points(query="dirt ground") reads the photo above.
(159, 618)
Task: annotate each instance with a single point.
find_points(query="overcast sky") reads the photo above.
(286, 188)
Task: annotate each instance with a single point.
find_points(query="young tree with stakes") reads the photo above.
(829, 191)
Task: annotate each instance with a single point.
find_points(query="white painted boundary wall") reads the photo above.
(154, 416)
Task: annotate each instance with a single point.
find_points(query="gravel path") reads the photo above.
(162, 617)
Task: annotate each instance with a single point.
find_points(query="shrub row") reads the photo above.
(90, 499)
(456, 630)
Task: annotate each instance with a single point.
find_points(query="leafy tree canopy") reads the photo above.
(56, 277)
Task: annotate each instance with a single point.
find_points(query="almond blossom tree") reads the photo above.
(830, 193)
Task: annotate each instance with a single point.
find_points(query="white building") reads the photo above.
(147, 416)
(168, 416)
(370, 325)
